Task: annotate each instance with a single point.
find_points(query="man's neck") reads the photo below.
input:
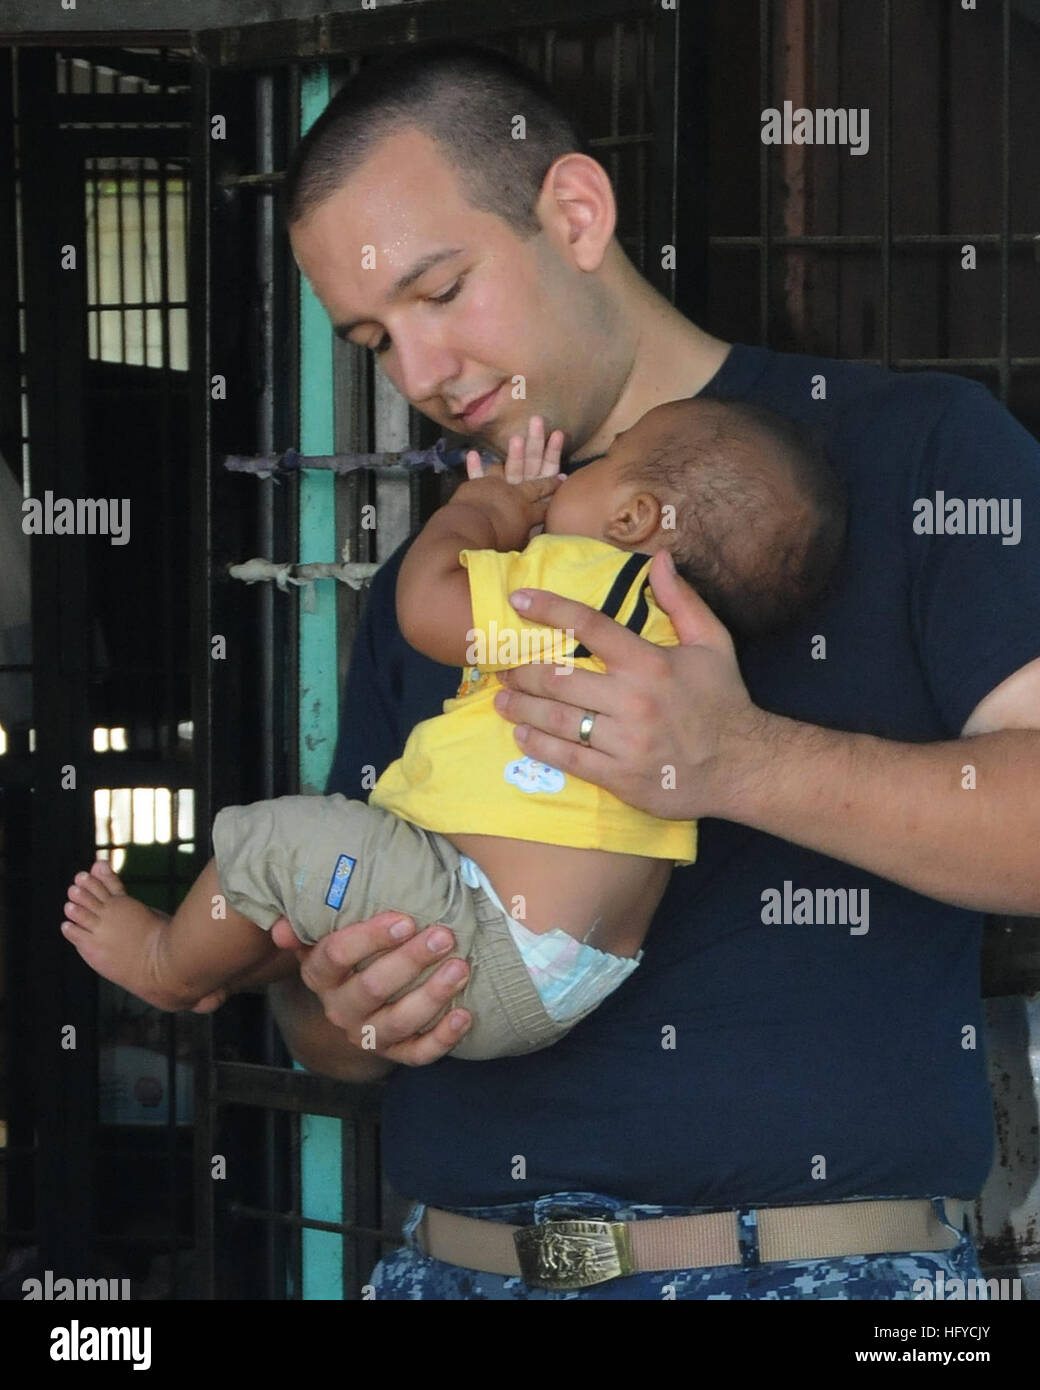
(672, 360)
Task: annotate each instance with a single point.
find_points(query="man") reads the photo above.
(797, 1064)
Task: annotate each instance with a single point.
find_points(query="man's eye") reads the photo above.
(449, 294)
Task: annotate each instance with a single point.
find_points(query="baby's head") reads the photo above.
(745, 499)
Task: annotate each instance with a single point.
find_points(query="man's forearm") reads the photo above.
(316, 1043)
(956, 821)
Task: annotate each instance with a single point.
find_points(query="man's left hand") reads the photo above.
(670, 722)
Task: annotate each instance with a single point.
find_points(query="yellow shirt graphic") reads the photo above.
(462, 772)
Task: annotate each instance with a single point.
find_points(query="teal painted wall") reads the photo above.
(320, 1136)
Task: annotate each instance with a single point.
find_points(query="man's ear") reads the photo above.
(577, 203)
(634, 521)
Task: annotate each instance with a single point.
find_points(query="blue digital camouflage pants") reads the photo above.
(409, 1274)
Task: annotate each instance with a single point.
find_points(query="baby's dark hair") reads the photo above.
(760, 512)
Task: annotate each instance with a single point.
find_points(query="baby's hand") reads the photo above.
(533, 457)
(516, 513)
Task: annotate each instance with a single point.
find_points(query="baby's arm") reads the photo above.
(434, 611)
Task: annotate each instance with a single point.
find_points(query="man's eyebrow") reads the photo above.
(404, 282)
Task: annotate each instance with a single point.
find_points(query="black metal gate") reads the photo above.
(856, 259)
(96, 178)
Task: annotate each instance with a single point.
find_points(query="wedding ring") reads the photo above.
(585, 728)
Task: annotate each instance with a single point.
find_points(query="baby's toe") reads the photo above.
(88, 889)
(104, 875)
(79, 913)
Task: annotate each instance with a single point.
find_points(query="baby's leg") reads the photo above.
(171, 963)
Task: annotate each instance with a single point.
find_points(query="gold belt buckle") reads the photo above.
(573, 1254)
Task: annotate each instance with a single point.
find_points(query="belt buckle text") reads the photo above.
(573, 1254)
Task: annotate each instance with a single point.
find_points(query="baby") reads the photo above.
(548, 882)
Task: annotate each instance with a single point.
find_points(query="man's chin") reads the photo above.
(490, 439)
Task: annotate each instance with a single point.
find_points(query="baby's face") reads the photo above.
(587, 499)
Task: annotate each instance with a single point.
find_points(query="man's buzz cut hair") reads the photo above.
(465, 98)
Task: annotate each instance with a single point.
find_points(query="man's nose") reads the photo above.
(424, 368)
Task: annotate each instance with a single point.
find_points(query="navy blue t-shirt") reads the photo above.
(811, 1062)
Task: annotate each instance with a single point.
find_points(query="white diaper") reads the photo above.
(570, 977)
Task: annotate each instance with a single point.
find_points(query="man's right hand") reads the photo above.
(356, 970)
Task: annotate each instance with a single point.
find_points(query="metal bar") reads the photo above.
(122, 60)
(319, 694)
(617, 34)
(131, 175)
(340, 35)
(121, 263)
(138, 304)
(265, 436)
(351, 1178)
(306, 1223)
(1005, 202)
(765, 41)
(162, 141)
(886, 191)
(642, 104)
(944, 297)
(673, 190)
(939, 362)
(22, 1099)
(840, 296)
(370, 1201)
(298, 1092)
(54, 215)
(266, 182)
(169, 682)
(295, 1262)
(397, 461)
(690, 154)
(614, 141)
(200, 601)
(97, 319)
(142, 251)
(662, 229)
(92, 776)
(130, 108)
(10, 350)
(318, 697)
(128, 1239)
(1023, 240)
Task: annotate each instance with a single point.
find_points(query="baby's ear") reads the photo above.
(635, 520)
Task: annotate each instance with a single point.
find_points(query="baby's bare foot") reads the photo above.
(115, 934)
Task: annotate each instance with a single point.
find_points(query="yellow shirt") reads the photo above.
(462, 772)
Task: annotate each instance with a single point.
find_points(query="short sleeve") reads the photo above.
(369, 736)
(974, 533)
(502, 637)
